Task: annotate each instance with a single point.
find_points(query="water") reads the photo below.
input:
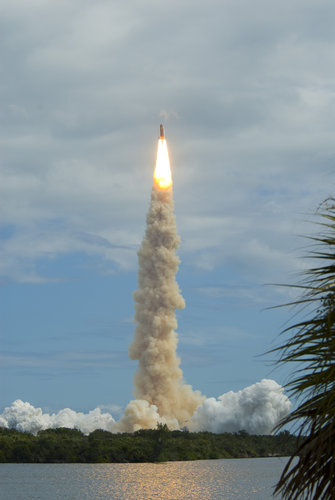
(240, 479)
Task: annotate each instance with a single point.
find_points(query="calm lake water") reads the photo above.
(240, 479)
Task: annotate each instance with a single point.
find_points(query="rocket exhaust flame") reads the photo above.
(162, 173)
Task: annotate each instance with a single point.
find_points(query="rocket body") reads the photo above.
(161, 132)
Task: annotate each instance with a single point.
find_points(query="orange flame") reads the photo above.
(162, 174)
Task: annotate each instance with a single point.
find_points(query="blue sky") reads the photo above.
(246, 93)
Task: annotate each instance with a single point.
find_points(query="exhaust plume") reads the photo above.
(159, 379)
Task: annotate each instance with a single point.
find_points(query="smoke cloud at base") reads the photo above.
(256, 409)
(26, 418)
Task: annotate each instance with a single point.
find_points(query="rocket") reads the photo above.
(161, 131)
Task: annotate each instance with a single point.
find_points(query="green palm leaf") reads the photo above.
(311, 345)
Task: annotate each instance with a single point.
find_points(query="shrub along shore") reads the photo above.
(159, 445)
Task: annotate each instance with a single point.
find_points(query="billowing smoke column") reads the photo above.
(162, 396)
(159, 377)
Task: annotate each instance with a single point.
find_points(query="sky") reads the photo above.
(245, 91)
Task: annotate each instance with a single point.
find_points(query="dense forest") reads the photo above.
(159, 445)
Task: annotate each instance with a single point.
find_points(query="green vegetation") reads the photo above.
(311, 346)
(158, 445)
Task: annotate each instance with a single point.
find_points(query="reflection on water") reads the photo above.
(205, 479)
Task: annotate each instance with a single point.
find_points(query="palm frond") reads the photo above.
(311, 345)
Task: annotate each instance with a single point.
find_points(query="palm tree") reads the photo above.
(311, 345)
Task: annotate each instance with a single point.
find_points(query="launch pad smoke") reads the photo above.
(256, 409)
(162, 396)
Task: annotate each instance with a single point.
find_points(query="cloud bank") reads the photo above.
(248, 99)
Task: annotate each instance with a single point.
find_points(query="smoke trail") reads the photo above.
(159, 379)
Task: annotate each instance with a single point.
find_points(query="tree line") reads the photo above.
(64, 445)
